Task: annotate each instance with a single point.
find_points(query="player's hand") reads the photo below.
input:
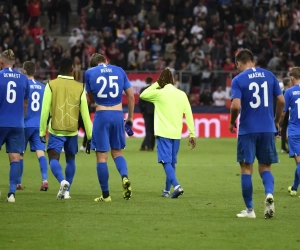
(192, 142)
(43, 139)
(129, 121)
(278, 128)
(88, 147)
(232, 128)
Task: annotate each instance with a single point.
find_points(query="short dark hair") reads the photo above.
(97, 58)
(244, 56)
(149, 80)
(29, 67)
(66, 66)
(286, 81)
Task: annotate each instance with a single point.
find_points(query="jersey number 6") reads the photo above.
(11, 94)
(112, 85)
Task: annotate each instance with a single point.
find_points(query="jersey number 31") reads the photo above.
(254, 86)
(112, 86)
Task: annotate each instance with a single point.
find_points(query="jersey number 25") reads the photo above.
(112, 86)
(254, 86)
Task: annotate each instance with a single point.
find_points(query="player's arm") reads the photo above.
(151, 93)
(279, 102)
(84, 111)
(88, 87)
(26, 96)
(130, 97)
(236, 95)
(47, 100)
(190, 122)
(286, 106)
(25, 106)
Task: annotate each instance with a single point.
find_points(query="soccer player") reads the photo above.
(292, 104)
(170, 105)
(252, 93)
(32, 125)
(104, 85)
(63, 99)
(14, 93)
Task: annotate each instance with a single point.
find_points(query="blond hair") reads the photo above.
(8, 56)
(97, 58)
(295, 72)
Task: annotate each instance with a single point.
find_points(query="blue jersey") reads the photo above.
(257, 88)
(292, 104)
(33, 115)
(14, 88)
(107, 83)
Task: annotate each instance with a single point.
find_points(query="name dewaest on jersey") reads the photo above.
(12, 75)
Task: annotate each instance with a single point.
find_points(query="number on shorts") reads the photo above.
(255, 86)
(112, 85)
(11, 94)
(35, 104)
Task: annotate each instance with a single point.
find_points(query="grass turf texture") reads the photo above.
(203, 218)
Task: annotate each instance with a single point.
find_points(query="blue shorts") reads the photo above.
(32, 135)
(294, 146)
(108, 131)
(69, 143)
(259, 145)
(167, 149)
(13, 138)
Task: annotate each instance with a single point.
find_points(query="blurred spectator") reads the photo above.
(219, 97)
(51, 12)
(64, 8)
(34, 11)
(206, 98)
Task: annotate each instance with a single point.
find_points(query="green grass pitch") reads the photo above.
(203, 218)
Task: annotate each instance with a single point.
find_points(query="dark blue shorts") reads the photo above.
(259, 145)
(32, 135)
(69, 143)
(13, 138)
(167, 149)
(294, 146)
(108, 131)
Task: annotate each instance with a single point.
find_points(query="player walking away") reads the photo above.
(63, 99)
(168, 125)
(147, 109)
(252, 93)
(292, 104)
(105, 84)
(32, 125)
(14, 93)
(284, 124)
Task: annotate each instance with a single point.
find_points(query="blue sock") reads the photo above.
(70, 170)
(57, 170)
(14, 174)
(21, 171)
(247, 190)
(168, 183)
(170, 172)
(102, 171)
(43, 167)
(268, 181)
(296, 179)
(121, 166)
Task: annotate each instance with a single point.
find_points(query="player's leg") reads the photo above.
(55, 145)
(71, 149)
(14, 147)
(245, 157)
(175, 148)
(117, 143)
(164, 153)
(294, 152)
(39, 148)
(266, 154)
(100, 143)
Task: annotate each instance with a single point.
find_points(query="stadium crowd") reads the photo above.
(196, 39)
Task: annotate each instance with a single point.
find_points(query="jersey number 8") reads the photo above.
(112, 85)
(255, 86)
(35, 105)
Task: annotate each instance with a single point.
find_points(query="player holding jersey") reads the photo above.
(104, 85)
(253, 93)
(32, 125)
(292, 104)
(14, 92)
